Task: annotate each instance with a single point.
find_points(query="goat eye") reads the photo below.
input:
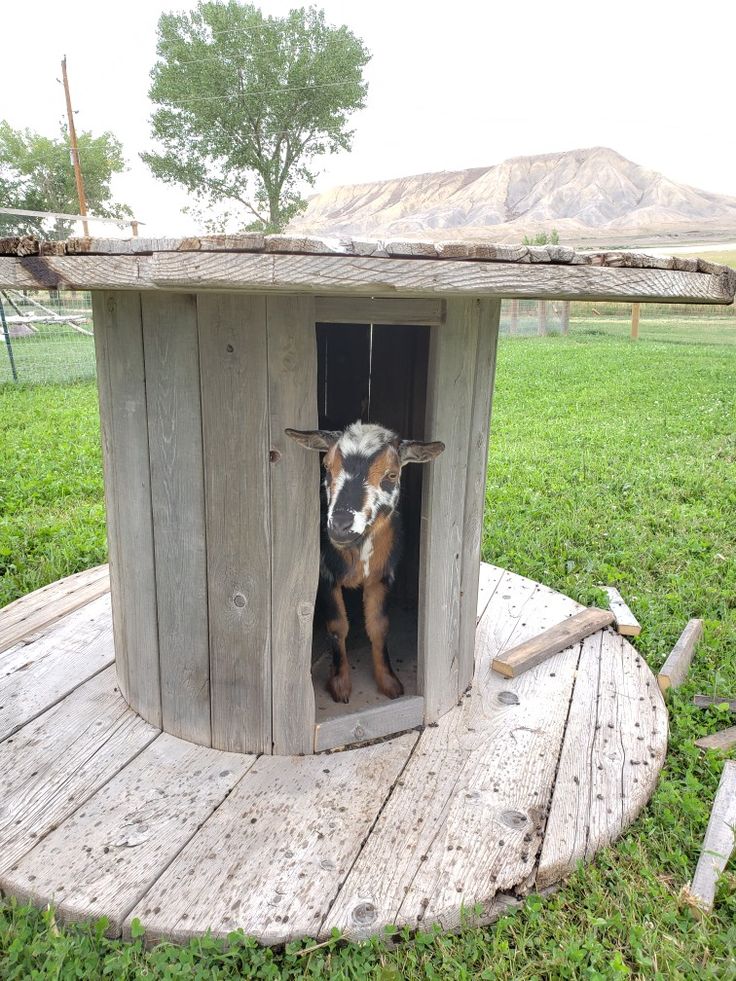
(392, 475)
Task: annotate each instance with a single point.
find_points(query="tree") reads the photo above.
(248, 102)
(36, 174)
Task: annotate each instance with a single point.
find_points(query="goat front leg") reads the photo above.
(375, 599)
(340, 684)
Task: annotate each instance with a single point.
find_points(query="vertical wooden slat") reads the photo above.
(450, 384)
(233, 363)
(177, 492)
(123, 416)
(565, 317)
(489, 311)
(292, 400)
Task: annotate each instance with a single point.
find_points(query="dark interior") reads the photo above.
(378, 373)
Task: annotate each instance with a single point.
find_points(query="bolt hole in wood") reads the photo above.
(376, 373)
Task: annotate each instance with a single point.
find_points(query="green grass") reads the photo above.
(56, 354)
(611, 462)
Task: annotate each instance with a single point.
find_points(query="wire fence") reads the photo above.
(49, 338)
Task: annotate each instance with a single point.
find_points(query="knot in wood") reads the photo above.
(359, 731)
(239, 600)
(514, 819)
(274, 456)
(364, 914)
(305, 610)
(508, 698)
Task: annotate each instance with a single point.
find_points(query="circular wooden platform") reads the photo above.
(101, 814)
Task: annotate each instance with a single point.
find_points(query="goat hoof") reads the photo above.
(390, 686)
(340, 688)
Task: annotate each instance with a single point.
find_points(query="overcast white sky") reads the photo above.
(451, 85)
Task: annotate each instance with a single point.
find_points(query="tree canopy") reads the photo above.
(36, 174)
(247, 102)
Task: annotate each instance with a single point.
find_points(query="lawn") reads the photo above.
(610, 462)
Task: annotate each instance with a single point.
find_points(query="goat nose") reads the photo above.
(342, 522)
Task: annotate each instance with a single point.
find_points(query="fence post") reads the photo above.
(542, 331)
(635, 321)
(9, 346)
(565, 317)
(514, 316)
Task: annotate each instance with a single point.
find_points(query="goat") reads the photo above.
(361, 536)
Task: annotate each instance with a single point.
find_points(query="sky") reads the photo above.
(452, 85)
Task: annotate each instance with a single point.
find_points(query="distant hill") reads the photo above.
(593, 195)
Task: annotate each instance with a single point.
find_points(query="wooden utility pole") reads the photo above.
(74, 149)
(542, 330)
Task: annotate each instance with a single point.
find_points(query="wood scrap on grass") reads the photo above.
(515, 661)
(626, 623)
(718, 843)
(675, 668)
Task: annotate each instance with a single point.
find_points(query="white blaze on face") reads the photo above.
(359, 522)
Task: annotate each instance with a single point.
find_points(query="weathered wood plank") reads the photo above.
(450, 384)
(488, 581)
(615, 745)
(34, 676)
(370, 276)
(121, 385)
(459, 790)
(723, 740)
(719, 842)
(377, 310)
(103, 858)
(704, 701)
(77, 746)
(626, 622)
(294, 510)
(294, 831)
(520, 658)
(362, 275)
(37, 611)
(489, 312)
(403, 713)
(675, 668)
(233, 362)
(177, 493)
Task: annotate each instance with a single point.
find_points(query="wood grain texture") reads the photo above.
(626, 622)
(489, 312)
(177, 493)
(615, 745)
(365, 276)
(294, 510)
(674, 670)
(108, 853)
(75, 747)
(310, 818)
(36, 675)
(719, 842)
(369, 276)
(235, 426)
(121, 385)
(34, 613)
(450, 382)
(520, 658)
(401, 714)
(488, 581)
(723, 740)
(463, 822)
(375, 310)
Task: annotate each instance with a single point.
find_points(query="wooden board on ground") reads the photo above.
(723, 740)
(73, 748)
(626, 622)
(32, 613)
(719, 842)
(468, 820)
(705, 701)
(513, 662)
(113, 849)
(675, 668)
(33, 676)
(275, 852)
(615, 744)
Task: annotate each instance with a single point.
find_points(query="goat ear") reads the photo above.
(411, 451)
(314, 439)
